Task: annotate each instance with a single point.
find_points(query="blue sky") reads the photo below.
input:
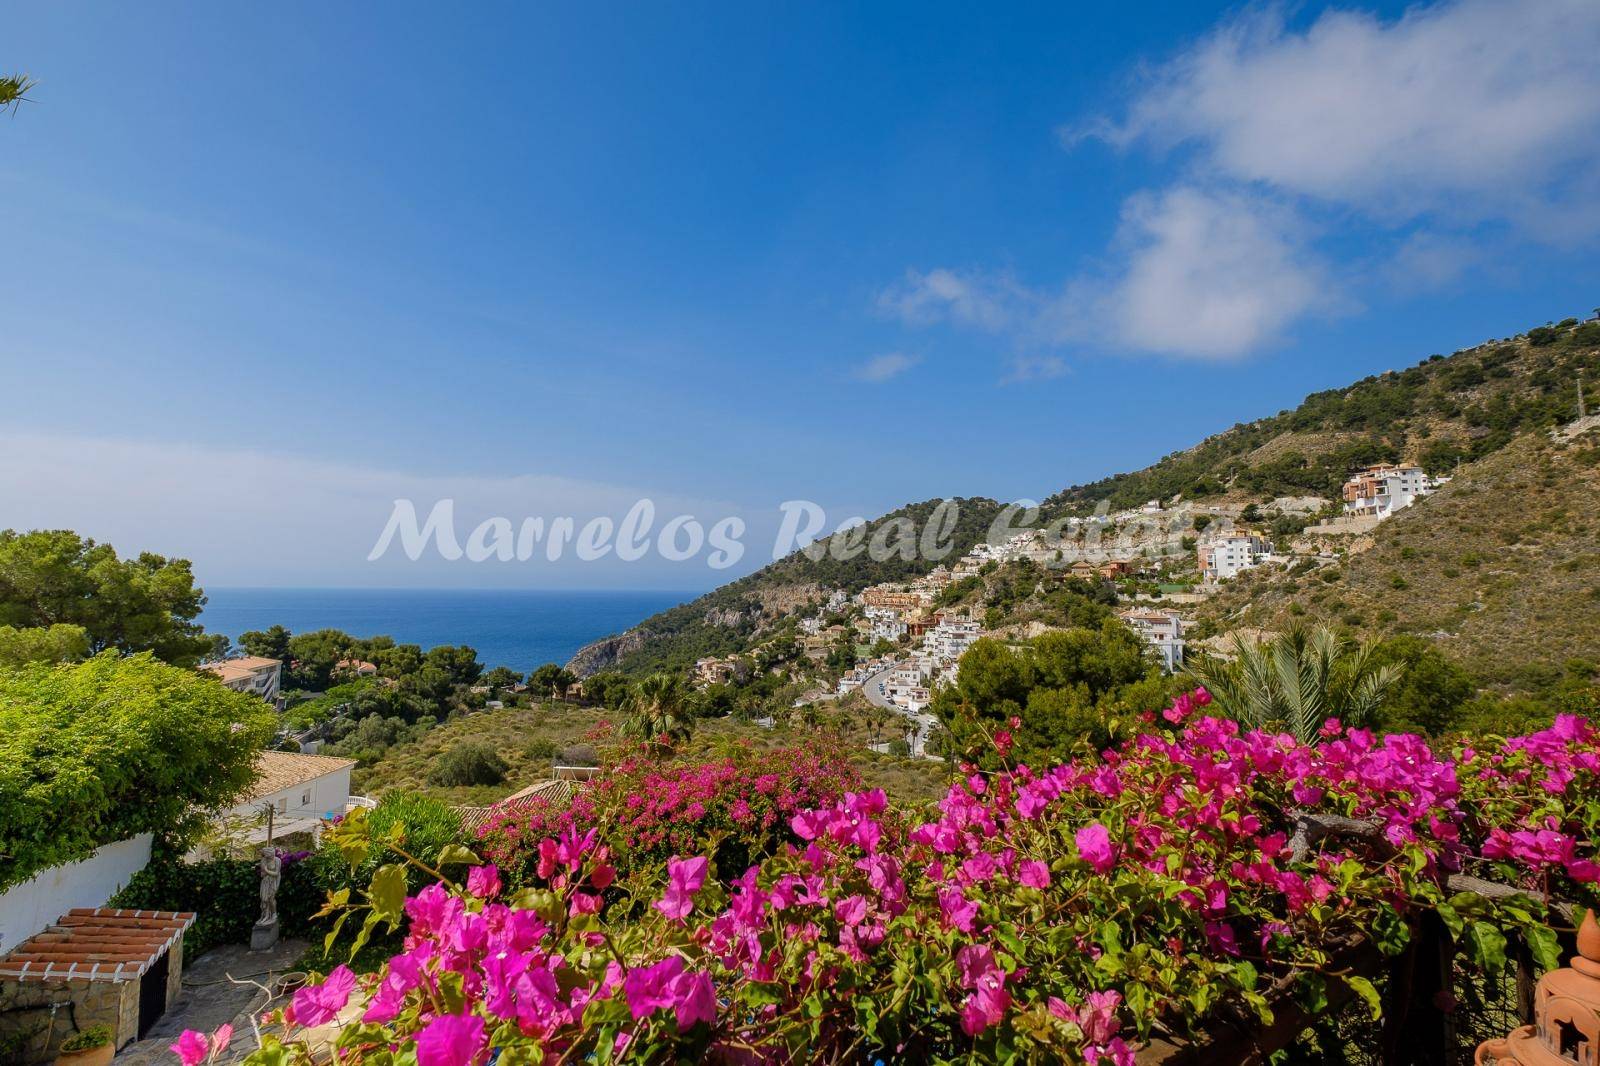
(269, 267)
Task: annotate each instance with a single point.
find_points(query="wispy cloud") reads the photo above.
(883, 367)
(1431, 131)
(1034, 368)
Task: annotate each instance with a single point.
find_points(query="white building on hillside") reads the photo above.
(951, 638)
(250, 673)
(1163, 630)
(1223, 557)
(1382, 490)
(301, 791)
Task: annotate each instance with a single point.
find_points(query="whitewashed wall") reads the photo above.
(29, 907)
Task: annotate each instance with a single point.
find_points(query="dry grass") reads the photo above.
(1501, 569)
(512, 731)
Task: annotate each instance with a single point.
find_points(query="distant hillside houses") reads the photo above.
(1380, 491)
(249, 673)
(1163, 631)
(1225, 555)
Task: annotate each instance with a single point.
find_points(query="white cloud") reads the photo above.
(1455, 124)
(1193, 273)
(256, 518)
(990, 302)
(883, 367)
(1025, 368)
(1207, 275)
(1469, 110)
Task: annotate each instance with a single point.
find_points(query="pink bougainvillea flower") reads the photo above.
(450, 1040)
(484, 881)
(1034, 873)
(1094, 847)
(685, 877)
(650, 988)
(695, 1000)
(191, 1048)
(316, 1005)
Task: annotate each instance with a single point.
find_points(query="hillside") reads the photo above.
(1443, 413)
(1500, 569)
(725, 620)
(1445, 409)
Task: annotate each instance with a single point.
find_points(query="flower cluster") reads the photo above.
(1032, 911)
(649, 811)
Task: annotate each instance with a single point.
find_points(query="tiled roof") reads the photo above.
(473, 819)
(278, 770)
(96, 944)
(238, 669)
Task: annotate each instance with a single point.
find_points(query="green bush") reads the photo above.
(98, 751)
(469, 763)
(420, 824)
(225, 896)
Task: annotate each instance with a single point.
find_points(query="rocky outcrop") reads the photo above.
(605, 653)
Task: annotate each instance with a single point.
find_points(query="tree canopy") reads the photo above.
(143, 603)
(98, 751)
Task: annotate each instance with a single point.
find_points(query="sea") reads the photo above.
(519, 628)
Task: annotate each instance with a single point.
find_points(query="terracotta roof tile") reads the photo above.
(474, 819)
(278, 770)
(96, 944)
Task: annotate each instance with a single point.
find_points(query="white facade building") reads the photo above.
(301, 791)
(251, 673)
(1163, 631)
(1225, 556)
(1380, 491)
(951, 638)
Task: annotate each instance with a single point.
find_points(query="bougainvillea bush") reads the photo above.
(1036, 914)
(734, 808)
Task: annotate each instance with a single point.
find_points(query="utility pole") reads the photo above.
(270, 812)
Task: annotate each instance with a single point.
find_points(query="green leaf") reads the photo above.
(1542, 944)
(455, 853)
(1488, 946)
(388, 891)
(1367, 991)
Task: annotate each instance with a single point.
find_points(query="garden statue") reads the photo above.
(1566, 1029)
(265, 933)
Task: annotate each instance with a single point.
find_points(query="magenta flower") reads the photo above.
(450, 1040)
(484, 881)
(684, 876)
(696, 1000)
(316, 1005)
(1034, 873)
(650, 988)
(1094, 847)
(190, 1048)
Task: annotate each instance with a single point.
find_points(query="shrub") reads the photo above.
(468, 763)
(646, 810)
(1051, 915)
(95, 752)
(225, 896)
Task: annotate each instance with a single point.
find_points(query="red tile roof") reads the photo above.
(96, 944)
(473, 819)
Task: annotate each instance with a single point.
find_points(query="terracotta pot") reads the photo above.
(94, 1056)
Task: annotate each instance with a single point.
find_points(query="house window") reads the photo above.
(305, 798)
(283, 806)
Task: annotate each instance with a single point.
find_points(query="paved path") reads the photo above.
(924, 722)
(223, 985)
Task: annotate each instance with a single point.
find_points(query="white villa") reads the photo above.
(1380, 491)
(251, 673)
(301, 791)
(1163, 630)
(1225, 556)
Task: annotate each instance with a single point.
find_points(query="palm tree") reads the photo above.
(658, 711)
(14, 90)
(1298, 681)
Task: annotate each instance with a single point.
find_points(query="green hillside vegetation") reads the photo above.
(1444, 409)
(725, 620)
(1500, 570)
(1443, 412)
(529, 739)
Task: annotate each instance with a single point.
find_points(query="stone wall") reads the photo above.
(39, 1015)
